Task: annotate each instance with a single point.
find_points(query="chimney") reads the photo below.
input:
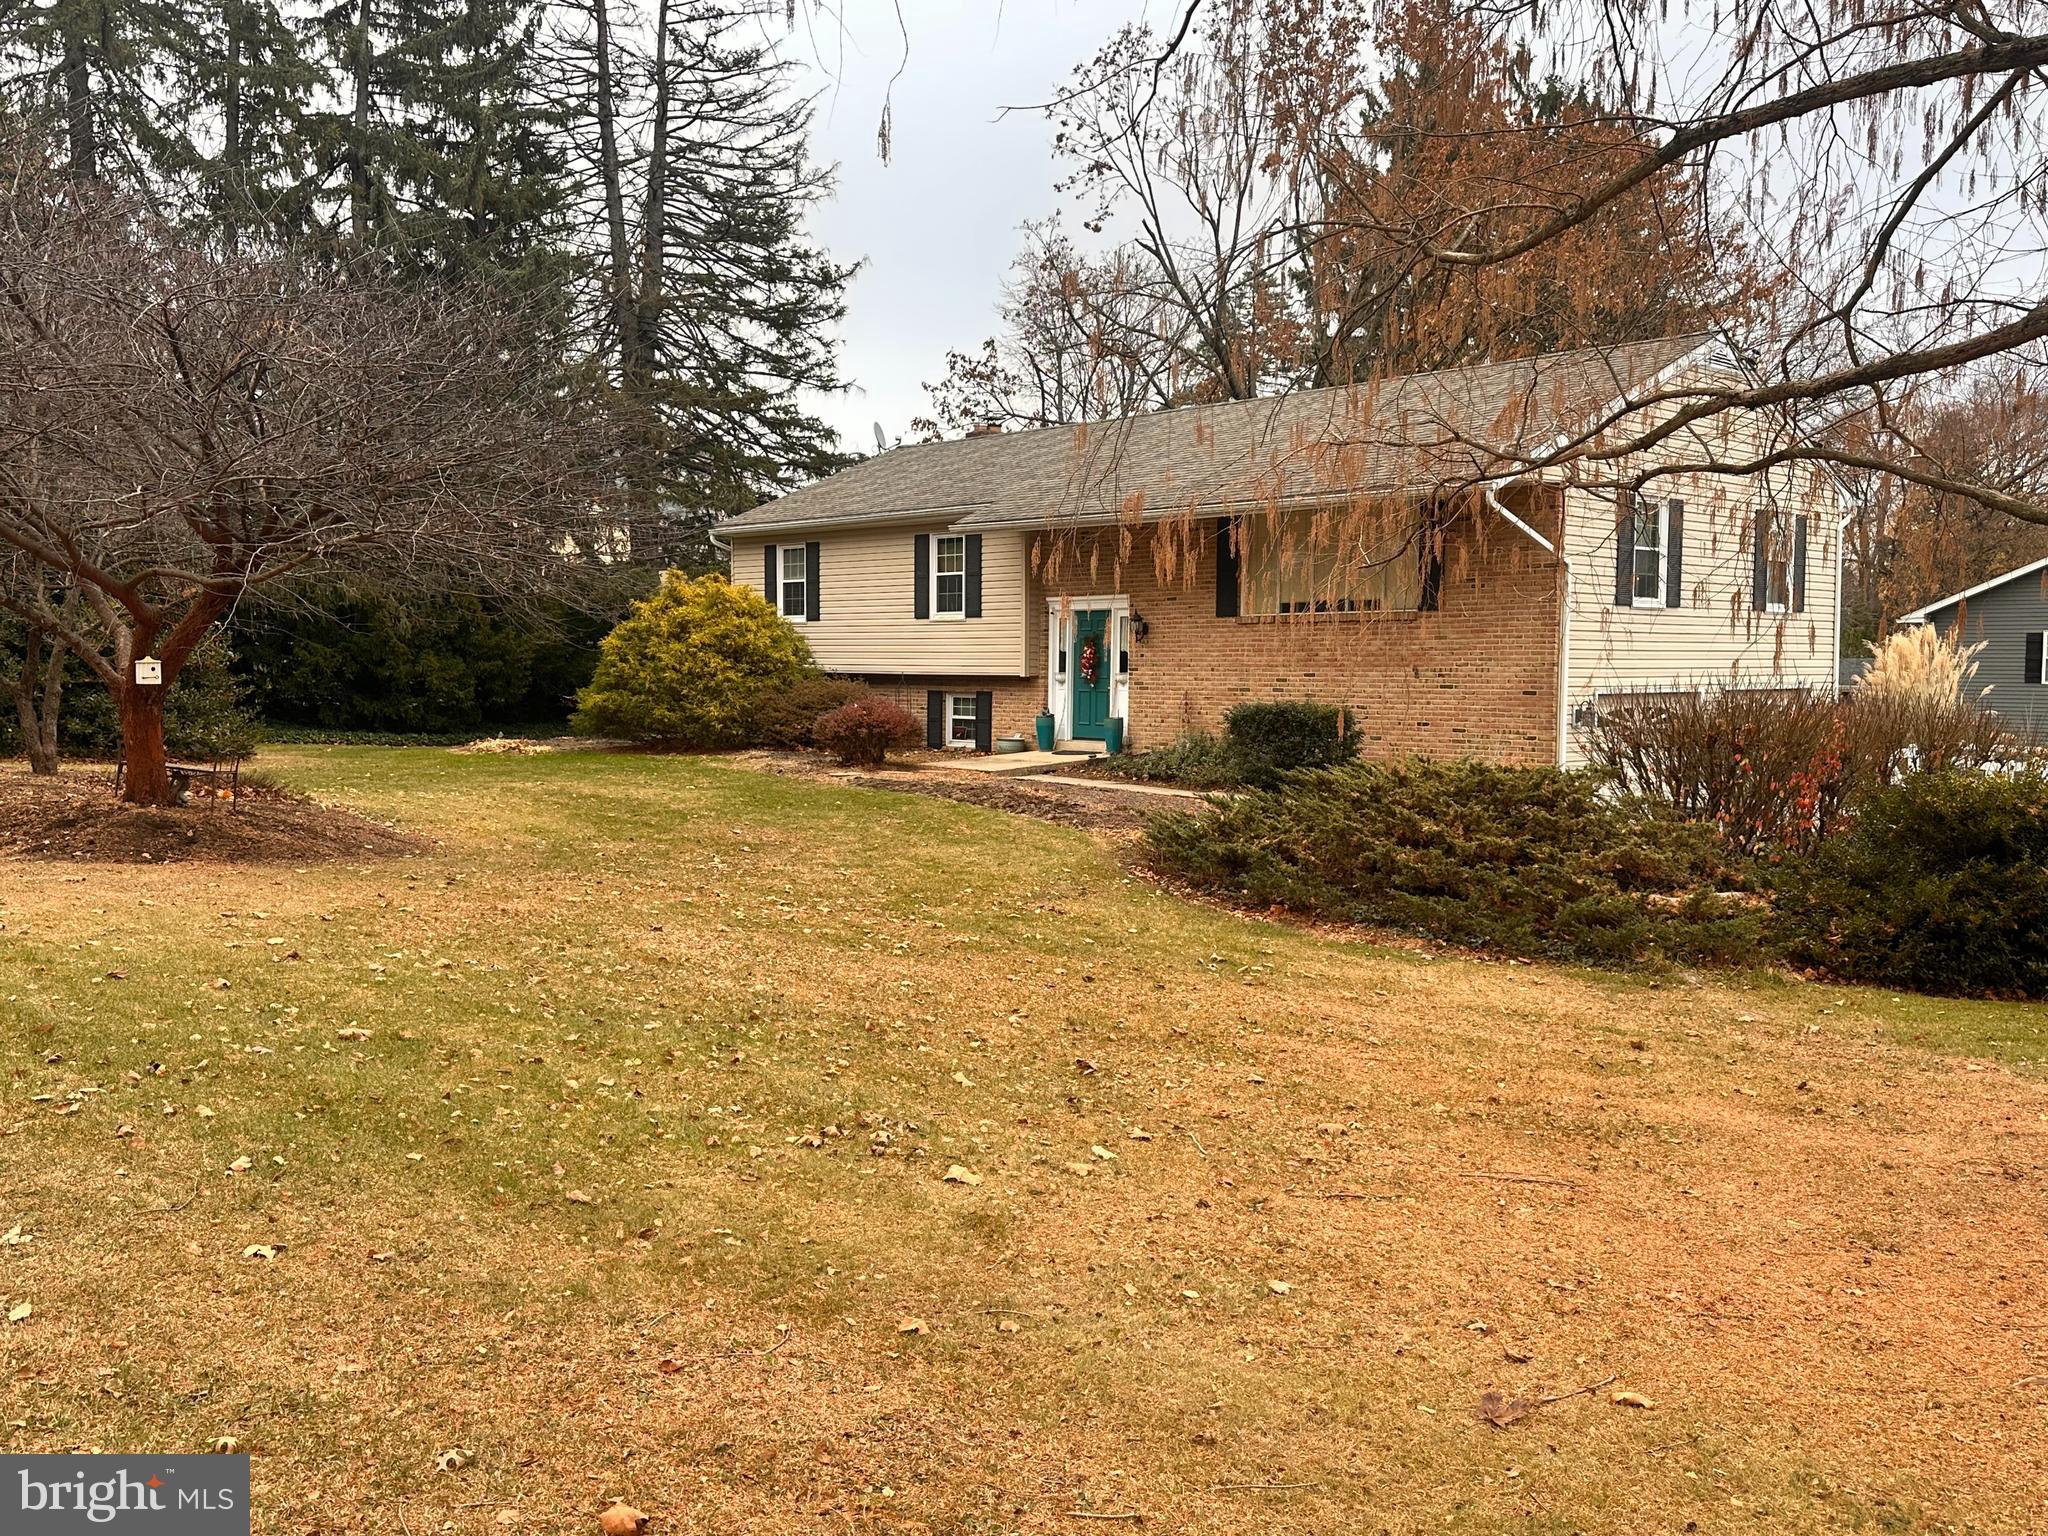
(985, 429)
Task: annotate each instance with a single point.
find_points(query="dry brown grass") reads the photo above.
(1814, 1245)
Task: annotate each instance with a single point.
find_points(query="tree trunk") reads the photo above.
(232, 189)
(613, 176)
(359, 144)
(39, 732)
(38, 691)
(147, 780)
(80, 131)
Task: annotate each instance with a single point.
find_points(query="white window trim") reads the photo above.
(973, 710)
(2024, 634)
(1662, 597)
(782, 583)
(938, 542)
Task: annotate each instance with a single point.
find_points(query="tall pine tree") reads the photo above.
(715, 311)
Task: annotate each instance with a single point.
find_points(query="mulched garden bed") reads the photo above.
(75, 817)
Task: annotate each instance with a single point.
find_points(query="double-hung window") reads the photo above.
(1653, 537)
(963, 720)
(1775, 529)
(949, 577)
(796, 579)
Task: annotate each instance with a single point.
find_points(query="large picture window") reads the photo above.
(796, 578)
(949, 576)
(1298, 563)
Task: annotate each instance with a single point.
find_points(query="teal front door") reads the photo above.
(1094, 665)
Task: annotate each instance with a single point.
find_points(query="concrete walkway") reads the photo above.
(1018, 765)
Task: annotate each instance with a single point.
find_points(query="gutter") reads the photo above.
(1564, 614)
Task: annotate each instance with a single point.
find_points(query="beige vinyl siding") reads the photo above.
(1714, 637)
(866, 590)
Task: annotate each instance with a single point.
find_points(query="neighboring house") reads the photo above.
(1361, 546)
(2008, 616)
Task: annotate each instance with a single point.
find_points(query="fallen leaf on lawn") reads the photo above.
(578, 1197)
(963, 1079)
(13, 1236)
(1008, 1325)
(203, 1112)
(1103, 1153)
(958, 1174)
(911, 1325)
(454, 1459)
(20, 1311)
(1087, 1068)
(353, 1032)
(622, 1519)
(1278, 1287)
(1501, 1411)
(225, 1445)
(240, 1165)
(259, 1251)
(382, 1256)
(1518, 1356)
(1138, 1135)
(1631, 1400)
(1081, 1168)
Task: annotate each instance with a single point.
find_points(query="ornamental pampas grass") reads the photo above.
(1919, 664)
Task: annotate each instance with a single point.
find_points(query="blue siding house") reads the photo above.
(2008, 615)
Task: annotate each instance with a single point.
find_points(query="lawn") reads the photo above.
(607, 1143)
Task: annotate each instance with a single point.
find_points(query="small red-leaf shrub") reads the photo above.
(860, 734)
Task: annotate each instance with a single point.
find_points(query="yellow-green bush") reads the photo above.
(686, 666)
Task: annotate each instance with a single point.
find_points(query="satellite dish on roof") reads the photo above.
(881, 439)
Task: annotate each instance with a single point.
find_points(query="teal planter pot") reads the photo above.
(1113, 735)
(1044, 726)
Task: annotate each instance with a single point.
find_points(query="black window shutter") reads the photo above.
(934, 714)
(921, 605)
(1625, 554)
(1432, 566)
(773, 580)
(1799, 565)
(811, 583)
(1226, 570)
(974, 579)
(2034, 640)
(984, 721)
(1760, 574)
(1674, 559)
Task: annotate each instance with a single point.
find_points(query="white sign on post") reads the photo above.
(149, 672)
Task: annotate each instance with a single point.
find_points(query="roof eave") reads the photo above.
(1920, 615)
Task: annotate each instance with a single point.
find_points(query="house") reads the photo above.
(1371, 546)
(2008, 616)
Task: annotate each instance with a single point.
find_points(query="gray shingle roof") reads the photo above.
(1410, 433)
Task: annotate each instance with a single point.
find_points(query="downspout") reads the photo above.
(1564, 616)
(1841, 540)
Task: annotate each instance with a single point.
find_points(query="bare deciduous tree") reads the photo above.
(177, 429)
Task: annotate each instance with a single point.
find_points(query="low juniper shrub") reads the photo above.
(1938, 883)
(1525, 861)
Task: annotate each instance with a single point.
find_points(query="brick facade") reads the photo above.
(1475, 678)
(1018, 699)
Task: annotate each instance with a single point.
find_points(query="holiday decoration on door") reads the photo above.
(1091, 660)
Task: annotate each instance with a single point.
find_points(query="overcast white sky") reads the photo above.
(937, 226)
